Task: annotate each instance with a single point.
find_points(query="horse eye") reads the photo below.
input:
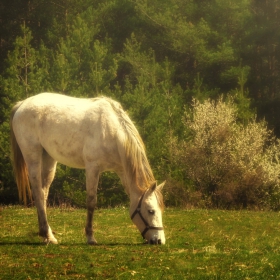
(152, 212)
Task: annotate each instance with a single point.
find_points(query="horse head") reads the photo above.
(147, 215)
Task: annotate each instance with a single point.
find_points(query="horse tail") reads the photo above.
(19, 165)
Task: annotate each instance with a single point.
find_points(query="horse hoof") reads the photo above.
(50, 241)
(92, 242)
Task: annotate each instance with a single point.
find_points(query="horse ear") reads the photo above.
(153, 186)
(159, 187)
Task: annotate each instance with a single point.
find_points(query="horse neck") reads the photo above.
(131, 187)
(135, 193)
(135, 187)
(134, 197)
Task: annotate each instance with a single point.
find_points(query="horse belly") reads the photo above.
(66, 148)
(70, 157)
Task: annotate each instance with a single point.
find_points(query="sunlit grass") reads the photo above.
(201, 244)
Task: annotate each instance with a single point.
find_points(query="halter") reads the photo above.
(138, 211)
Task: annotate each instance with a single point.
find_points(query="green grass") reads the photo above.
(200, 244)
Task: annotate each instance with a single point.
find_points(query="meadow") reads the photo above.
(201, 244)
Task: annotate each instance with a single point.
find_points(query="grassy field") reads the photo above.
(200, 244)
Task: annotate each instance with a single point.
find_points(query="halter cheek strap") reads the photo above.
(138, 211)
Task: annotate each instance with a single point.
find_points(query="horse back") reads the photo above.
(74, 131)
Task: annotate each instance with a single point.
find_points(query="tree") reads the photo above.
(261, 50)
(153, 57)
(83, 66)
(154, 103)
(24, 75)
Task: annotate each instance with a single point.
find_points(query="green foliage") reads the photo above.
(82, 65)
(111, 192)
(155, 103)
(68, 187)
(22, 77)
(153, 57)
(8, 191)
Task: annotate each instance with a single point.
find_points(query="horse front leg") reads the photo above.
(92, 177)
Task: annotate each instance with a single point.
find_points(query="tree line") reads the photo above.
(159, 59)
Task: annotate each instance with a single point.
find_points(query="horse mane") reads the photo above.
(137, 164)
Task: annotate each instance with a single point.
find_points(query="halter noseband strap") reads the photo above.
(138, 211)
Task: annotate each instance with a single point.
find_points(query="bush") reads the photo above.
(231, 164)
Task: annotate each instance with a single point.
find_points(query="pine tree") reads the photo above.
(25, 75)
(83, 65)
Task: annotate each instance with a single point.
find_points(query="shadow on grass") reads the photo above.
(121, 244)
(26, 243)
(33, 239)
(110, 244)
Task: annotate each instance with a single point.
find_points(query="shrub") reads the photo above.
(230, 164)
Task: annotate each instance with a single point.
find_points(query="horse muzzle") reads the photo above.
(155, 241)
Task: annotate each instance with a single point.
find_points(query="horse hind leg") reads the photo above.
(40, 178)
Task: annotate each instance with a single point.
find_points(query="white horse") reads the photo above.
(92, 134)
